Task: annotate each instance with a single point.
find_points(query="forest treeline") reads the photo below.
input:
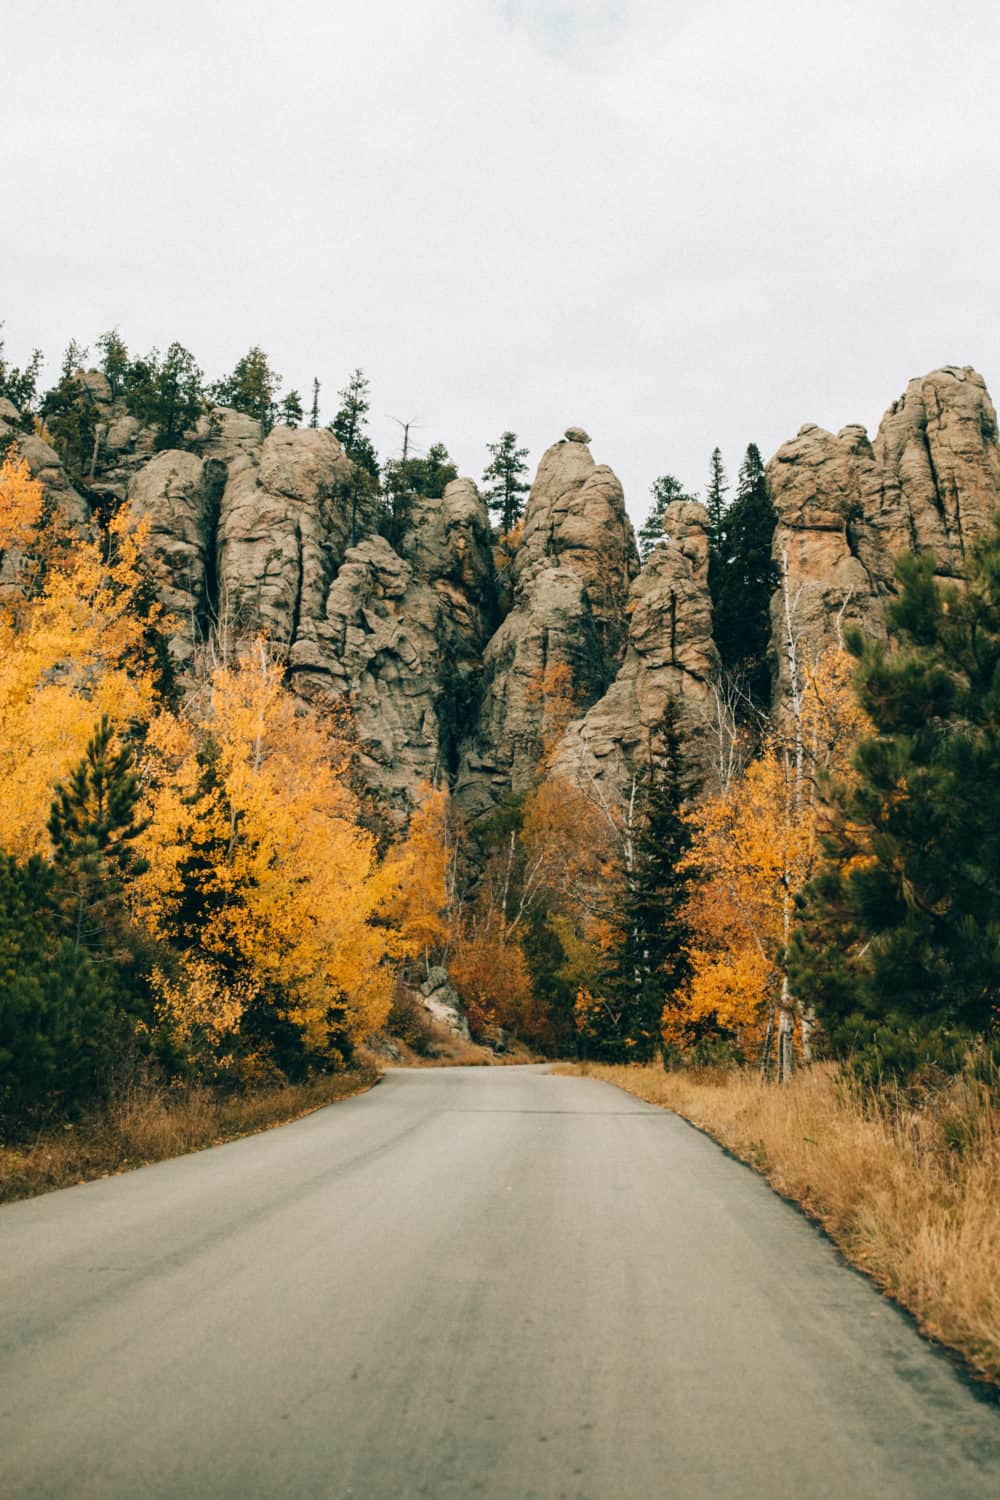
(198, 885)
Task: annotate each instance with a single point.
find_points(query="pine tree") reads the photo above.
(650, 964)
(314, 409)
(715, 497)
(348, 426)
(743, 578)
(405, 479)
(92, 825)
(20, 386)
(69, 415)
(166, 393)
(114, 360)
(504, 487)
(898, 940)
(59, 1024)
(290, 409)
(665, 491)
(251, 388)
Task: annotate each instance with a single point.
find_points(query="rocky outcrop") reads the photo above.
(177, 495)
(564, 636)
(575, 517)
(938, 469)
(847, 508)
(285, 523)
(441, 1000)
(402, 639)
(670, 654)
(44, 465)
(452, 677)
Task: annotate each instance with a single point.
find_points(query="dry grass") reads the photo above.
(910, 1192)
(154, 1124)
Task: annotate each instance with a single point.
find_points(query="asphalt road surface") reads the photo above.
(468, 1282)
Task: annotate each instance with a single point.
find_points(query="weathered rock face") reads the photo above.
(670, 653)
(44, 465)
(847, 508)
(576, 517)
(284, 525)
(938, 464)
(572, 573)
(402, 638)
(441, 1000)
(178, 495)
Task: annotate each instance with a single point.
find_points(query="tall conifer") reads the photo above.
(898, 942)
(651, 963)
(743, 578)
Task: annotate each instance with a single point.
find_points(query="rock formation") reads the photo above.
(847, 508)
(572, 572)
(402, 637)
(179, 502)
(670, 653)
(450, 676)
(44, 464)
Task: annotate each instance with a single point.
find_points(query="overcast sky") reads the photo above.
(677, 224)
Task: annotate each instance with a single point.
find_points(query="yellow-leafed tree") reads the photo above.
(756, 845)
(422, 866)
(258, 868)
(71, 643)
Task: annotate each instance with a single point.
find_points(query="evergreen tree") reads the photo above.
(898, 938)
(715, 497)
(59, 1024)
(406, 479)
(665, 491)
(349, 425)
(114, 361)
(69, 414)
(650, 964)
(251, 388)
(314, 409)
(92, 825)
(166, 393)
(743, 578)
(504, 488)
(290, 410)
(20, 386)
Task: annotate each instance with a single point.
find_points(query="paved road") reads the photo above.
(468, 1282)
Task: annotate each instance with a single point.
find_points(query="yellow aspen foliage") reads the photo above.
(70, 635)
(201, 1006)
(756, 845)
(421, 865)
(21, 508)
(254, 823)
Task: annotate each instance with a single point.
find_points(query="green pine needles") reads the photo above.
(898, 937)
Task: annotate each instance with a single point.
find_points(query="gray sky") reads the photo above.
(679, 224)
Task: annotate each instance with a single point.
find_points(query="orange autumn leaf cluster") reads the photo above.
(421, 867)
(254, 791)
(756, 845)
(70, 634)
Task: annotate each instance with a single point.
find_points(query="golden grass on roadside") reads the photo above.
(154, 1124)
(909, 1191)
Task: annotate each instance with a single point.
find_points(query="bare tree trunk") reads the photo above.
(786, 1034)
(767, 1044)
